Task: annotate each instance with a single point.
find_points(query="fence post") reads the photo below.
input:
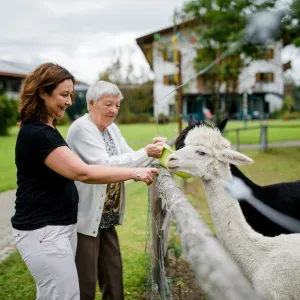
(238, 140)
(160, 236)
(263, 137)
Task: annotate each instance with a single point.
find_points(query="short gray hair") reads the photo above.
(102, 88)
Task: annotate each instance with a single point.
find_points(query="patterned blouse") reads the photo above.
(110, 215)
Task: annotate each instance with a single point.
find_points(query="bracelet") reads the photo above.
(138, 174)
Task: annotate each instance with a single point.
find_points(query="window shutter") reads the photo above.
(165, 54)
(166, 80)
(257, 77)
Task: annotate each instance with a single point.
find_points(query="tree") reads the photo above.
(137, 105)
(222, 23)
(8, 113)
(122, 69)
(291, 25)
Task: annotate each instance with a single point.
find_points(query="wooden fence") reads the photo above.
(216, 273)
(263, 137)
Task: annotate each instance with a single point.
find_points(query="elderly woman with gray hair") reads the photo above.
(97, 140)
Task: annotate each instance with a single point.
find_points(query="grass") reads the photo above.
(138, 135)
(16, 282)
(276, 165)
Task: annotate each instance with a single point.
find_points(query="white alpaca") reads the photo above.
(272, 264)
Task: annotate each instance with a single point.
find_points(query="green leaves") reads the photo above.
(8, 113)
(222, 23)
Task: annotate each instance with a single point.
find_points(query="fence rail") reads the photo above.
(216, 273)
(263, 137)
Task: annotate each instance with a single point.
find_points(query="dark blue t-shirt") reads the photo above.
(43, 196)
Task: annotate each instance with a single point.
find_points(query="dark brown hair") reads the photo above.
(44, 78)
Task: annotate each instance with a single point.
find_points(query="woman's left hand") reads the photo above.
(155, 150)
(159, 139)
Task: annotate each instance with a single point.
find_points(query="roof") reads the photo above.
(14, 69)
(149, 38)
(21, 70)
(80, 86)
(145, 42)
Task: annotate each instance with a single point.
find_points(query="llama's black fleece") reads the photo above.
(284, 197)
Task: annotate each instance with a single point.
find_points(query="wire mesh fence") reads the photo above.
(156, 242)
(216, 273)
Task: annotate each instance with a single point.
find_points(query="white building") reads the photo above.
(261, 80)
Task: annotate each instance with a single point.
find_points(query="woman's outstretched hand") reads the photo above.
(146, 174)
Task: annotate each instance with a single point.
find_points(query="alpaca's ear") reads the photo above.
(234, 157)
(222, 125)
(191, 120)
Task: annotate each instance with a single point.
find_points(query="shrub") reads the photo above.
(127, 117)
(162, 119)
(8, 113)
(277, 114)
(65, 120)
(291, 116)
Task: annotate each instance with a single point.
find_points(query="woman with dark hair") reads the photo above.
(44, 224)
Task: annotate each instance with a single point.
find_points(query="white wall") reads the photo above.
(188, 52)
(161, 68)
(247, 78)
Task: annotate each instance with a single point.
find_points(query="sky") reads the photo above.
(82, 35)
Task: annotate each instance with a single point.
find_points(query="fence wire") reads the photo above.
(157, 286)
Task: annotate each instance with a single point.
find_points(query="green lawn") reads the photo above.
(16, 282)
(139, 135)
(276, 165)
(251, 136)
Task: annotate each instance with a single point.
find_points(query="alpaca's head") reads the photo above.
(205, 153)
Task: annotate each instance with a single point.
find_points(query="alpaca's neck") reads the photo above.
(244, 244)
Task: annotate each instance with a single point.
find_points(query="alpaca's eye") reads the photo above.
(200, 153)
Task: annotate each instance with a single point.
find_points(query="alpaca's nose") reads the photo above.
(172, 157)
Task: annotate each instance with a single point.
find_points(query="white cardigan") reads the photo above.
(85, 139)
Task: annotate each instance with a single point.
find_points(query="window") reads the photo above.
(205, 82)
(264, 77)
(169, 79)
(172, 110)
(168, 54)
(14, 86)
(2, 86)
(269, 53)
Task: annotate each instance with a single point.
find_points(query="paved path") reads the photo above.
(271, 145)
(7, 200)
(7, 204)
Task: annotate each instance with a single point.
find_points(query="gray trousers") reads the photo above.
(100, 258)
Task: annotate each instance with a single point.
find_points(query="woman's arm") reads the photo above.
(89, 146)
(66, 163)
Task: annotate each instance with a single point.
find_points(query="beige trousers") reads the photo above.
(49, 254)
